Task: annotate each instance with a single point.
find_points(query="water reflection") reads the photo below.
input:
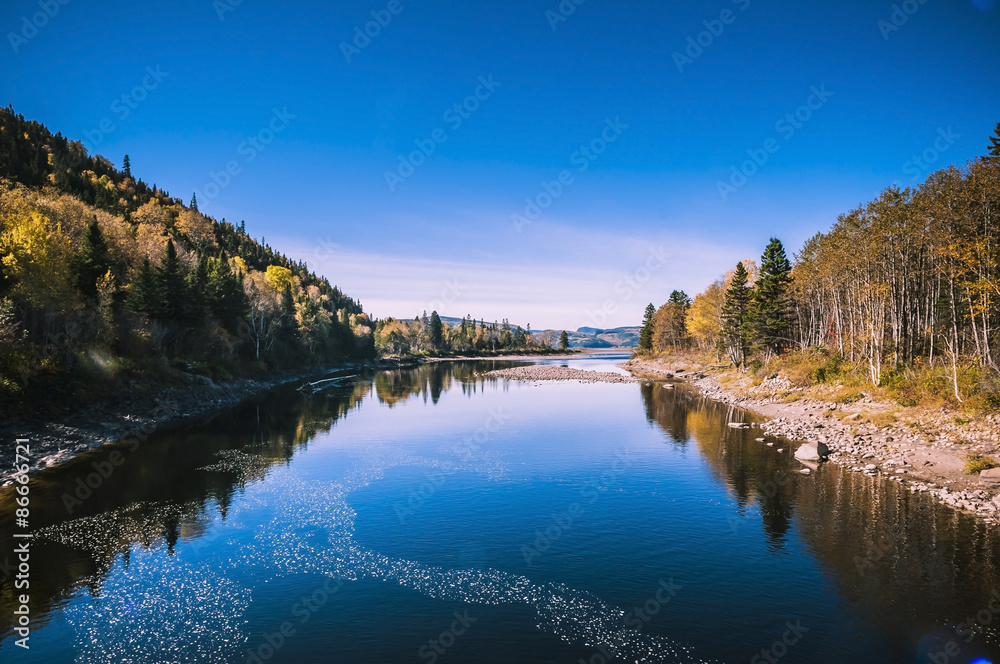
(912, 565)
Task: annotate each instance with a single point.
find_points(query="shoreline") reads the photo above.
(922, 450)
(147, 407)
(143, 409)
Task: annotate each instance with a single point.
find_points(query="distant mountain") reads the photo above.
(592, 337)
(584, 337)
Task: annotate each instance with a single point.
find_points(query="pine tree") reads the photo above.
(93, 262)
(646, 333)
(127, 167)
(770, 308)
(194, 204)
(145, 296)
(734, 317)
(224, 294)
(993, 151)
(564, 340)
(435, 330)
(172, 286)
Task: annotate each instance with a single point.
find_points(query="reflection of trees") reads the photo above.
(914, 565)
(433, 379)
(159, 495)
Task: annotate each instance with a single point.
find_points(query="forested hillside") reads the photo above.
(104, 275)
(901, 292)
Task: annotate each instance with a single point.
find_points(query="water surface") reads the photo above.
(434, 515)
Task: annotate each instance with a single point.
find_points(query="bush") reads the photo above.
(976, 463)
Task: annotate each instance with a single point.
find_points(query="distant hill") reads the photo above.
(584, 337)
(590, 337)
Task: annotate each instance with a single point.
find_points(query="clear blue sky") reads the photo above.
(444, 236)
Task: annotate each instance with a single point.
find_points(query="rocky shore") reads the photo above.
(139, 408)
(551, 372)
(921, 449)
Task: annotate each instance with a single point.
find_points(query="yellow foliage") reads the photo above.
(36, 255)
(279, 277)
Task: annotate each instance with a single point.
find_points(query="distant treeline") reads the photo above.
(429, 335)
(101, 272)
(910, 279)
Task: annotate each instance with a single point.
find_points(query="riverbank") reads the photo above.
(139, 408)
(923, 449)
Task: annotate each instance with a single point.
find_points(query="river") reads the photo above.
(436, 515)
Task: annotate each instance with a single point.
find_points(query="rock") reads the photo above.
(870, 466)
(739, 425)
(805, 471)
(990, 477)
(812, 451)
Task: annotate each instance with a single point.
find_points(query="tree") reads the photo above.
(564, 340)
(194, 205)
(435, 330)
(704, 316)
(35, 256)
(173, 288)
(93, 262)
(127, 167)
(993, 150)
(145, 296)
(734, 317)
(770, 307)
(646, 332)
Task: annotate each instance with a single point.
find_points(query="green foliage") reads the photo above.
(769, 311)
(93, 261)
(735, 322)
(435, 330)
(646, 332)
(564, 340)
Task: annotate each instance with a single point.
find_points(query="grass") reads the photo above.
(976, 463)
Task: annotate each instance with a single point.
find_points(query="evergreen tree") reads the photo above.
(145, 296)
(172, 286)
(564, 340)
(93, 262)
(993, 151)
(734, 317)
(194, 205)
(127, 167)
(224, 295)
(770, 308)
(646, 333)
(435, 330)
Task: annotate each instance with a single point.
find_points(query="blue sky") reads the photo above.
(641, 137)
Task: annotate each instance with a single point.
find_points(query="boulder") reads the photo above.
(812, 452)
(990, 477)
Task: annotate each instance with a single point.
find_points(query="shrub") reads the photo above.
(976, 463)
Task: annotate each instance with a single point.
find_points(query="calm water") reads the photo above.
(432, 515)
